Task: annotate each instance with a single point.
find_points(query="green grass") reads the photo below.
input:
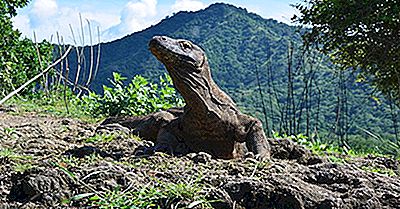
(71, 161)
(384, 171)
(53, 104)
(332, 149)
(13, 156)
(159, 194)
(20, 163)
(9, 131)
(101, 138)
(22, 167)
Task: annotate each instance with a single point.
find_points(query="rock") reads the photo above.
(200, 157)
(47, 186)
(112, 128)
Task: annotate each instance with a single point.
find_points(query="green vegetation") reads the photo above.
(13, 156)
(72, 162)
(368, 43)
(53, 104)
(22, 167)
(19, 163)
(384, 171)
(157, 195)
(20, 59)
(331, 148)
(101, 138)
(138, 98)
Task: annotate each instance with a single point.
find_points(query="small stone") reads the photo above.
(65, 122)
(200, 157)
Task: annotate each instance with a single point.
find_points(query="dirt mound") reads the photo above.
(49, 162)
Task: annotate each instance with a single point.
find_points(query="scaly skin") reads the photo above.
(210, 122)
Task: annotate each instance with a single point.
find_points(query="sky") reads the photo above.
(59, 20)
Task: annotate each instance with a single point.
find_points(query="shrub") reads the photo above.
(138, 98)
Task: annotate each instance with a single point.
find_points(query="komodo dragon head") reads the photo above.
(178, 52)
(187, 65)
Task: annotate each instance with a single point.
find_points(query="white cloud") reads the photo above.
(187, 5)
(135, 16)
(21, 22)
(46, 18)
(44, 8)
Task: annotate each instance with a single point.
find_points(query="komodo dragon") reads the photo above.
(210, 121)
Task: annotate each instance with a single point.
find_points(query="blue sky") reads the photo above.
(116, 19)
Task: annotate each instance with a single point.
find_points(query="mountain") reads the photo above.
(242, 47)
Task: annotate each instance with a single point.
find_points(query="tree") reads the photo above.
(20, 59)
(363, 35)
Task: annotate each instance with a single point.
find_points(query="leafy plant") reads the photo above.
(138, 98)
(19, 58)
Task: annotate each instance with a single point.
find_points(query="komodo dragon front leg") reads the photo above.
(255, 139)
(147, 127)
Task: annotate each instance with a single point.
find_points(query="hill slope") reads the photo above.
(239, 43)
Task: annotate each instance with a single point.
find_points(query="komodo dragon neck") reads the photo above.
(190, 73)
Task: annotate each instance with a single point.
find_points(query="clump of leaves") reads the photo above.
(138, 98)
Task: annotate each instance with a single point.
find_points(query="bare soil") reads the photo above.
(46, 160)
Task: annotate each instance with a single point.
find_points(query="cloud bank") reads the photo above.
(136, 15)
(48, 17)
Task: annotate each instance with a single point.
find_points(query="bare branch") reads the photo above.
(98, 54)
(60, 48)
(91, 55)
(78, 57)
(36, 77)
(45, 77)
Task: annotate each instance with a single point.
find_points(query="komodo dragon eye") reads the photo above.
(186, 45)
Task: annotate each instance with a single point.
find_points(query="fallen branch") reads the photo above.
(36, 77)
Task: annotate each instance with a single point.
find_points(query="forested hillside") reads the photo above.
(260, 63)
